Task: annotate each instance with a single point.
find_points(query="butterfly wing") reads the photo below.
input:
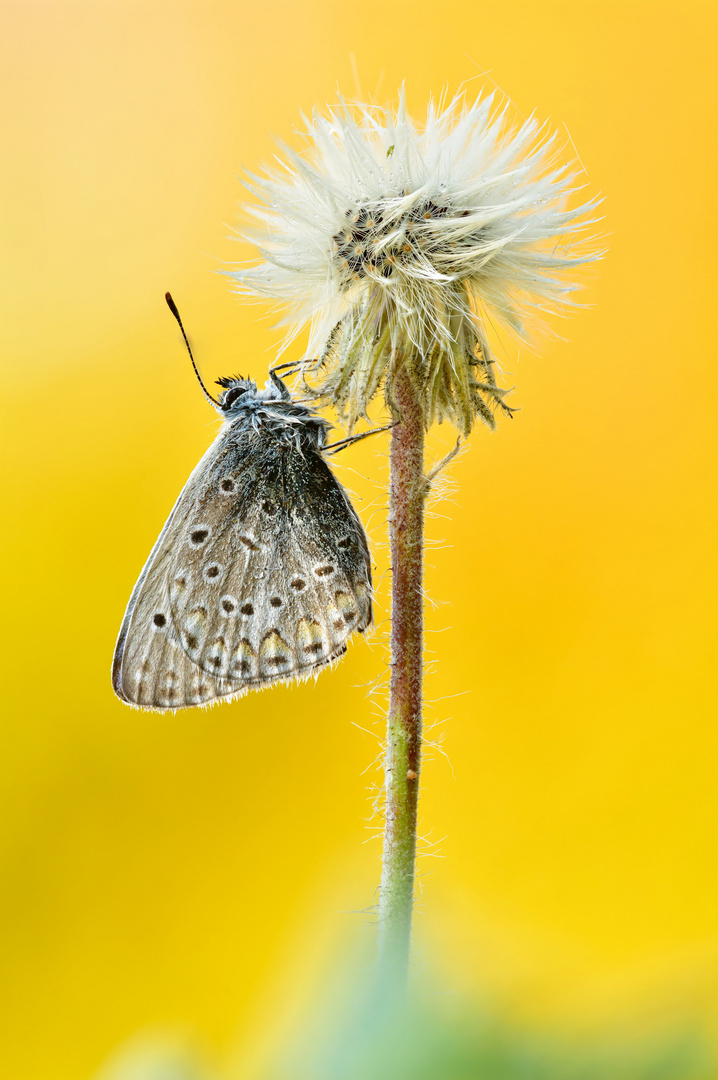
(150, 669)
(261, 573)
(279, 587)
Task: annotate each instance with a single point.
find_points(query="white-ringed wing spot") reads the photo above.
(227, 606)
(199, 535)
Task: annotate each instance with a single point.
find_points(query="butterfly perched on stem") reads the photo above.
(262, 571)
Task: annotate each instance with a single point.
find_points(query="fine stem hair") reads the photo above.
(402, 762)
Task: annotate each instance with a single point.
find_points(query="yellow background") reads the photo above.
(197, 870)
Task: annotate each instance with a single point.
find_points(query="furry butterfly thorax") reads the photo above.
(272, 408)
(262, 571)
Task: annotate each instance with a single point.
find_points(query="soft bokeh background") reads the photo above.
(197, 871)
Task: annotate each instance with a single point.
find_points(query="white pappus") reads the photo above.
(396, 241)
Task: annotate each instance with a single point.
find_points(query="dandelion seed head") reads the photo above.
(395, 242)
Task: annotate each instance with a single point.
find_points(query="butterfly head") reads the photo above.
(243, 402)
(236, 391)
(241, 395)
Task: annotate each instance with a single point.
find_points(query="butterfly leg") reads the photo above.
(334, 448)
(293, 367)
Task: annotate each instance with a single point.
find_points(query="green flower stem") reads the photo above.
(407, 494)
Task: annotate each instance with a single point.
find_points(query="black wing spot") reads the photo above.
(345, 543)
(298, 583)
(228, 486)
(159, 619)
(276, 661)
(324, 571)
(338, 624)
(192, 641)
(349, 616)
(247, 609)
(213, 571)
(198, 536)
(275, 601)
(249, 543)
(315, 647)
(228, 605)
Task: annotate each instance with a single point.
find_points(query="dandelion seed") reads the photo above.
(395, 242)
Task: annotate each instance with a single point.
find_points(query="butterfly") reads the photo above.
(262, 571)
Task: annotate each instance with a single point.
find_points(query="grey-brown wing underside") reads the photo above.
(261, 574)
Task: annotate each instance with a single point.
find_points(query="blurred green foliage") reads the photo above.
(376, 1037)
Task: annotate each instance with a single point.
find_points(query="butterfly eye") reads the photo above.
(231, 396)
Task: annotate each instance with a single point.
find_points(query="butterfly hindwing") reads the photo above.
(271, 584)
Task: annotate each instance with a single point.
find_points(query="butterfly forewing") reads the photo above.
(261, 573)
(150, 668)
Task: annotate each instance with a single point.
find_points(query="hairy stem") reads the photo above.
(402, 763)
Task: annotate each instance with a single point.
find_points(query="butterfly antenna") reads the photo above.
(173, 308)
